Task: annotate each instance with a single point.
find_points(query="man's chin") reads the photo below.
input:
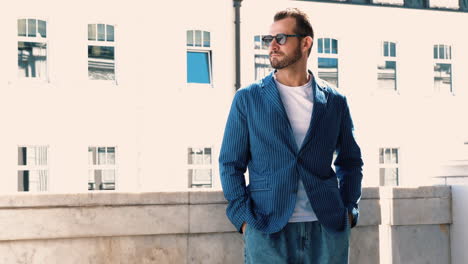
(275, 64)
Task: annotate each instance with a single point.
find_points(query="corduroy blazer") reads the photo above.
(259, 137)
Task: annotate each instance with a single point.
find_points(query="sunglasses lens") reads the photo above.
(281, 39)
(267, 40)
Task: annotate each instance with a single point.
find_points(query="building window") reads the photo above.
(102, 168)
(200, 168)
(386, 69)
(33, 170)
(443, 68)
(261, 58)
(388, 166)
(101, 52)
(32, 48)
(328, 60)
(199, 65)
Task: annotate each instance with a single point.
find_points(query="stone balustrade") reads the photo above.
(397, 225)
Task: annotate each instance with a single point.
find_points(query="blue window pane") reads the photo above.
(435, 52)
(198, 38)
(110, 32)
(334, 46)
(327, 45)
(392, 49)
(320, 45)
(327, 62)
(190, 38)
(390, 64)
(42, 28)
(198, 67)
(257, 42)
(385, 49)
(441, 52)
(101, 32)
(206, 39)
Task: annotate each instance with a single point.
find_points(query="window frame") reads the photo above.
(390, 165)
(201, 49)
(440, 60)
(330, 55)
(261, 51)
(102, 43)
(93, 167)
(193, 166)
(383, 59)
(36, 39)
(35, 167)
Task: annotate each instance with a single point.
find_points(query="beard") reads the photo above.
(278, 64)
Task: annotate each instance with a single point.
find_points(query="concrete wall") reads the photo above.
(415, 225)
(191, 227)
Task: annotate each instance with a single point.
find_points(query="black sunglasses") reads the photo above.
(280, 38)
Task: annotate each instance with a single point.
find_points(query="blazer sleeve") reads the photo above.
(233, 160)
(348, 164)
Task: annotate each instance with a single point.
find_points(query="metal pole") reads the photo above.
(237, 5)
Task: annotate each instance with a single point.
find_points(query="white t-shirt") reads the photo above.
(298, 103)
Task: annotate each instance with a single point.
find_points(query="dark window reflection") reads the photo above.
(328, 70)
(32, 59)
(386, 75)
(101, 63)
(443, 77)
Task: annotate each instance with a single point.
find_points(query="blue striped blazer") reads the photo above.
(258, 136)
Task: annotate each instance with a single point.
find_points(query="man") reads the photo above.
(285, 129)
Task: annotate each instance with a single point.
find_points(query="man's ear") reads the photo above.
(310, 40)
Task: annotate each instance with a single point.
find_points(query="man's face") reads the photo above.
(281, 56)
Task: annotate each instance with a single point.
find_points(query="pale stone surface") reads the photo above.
(417, 211)
(364, 245)
(370, 193)
(369, 212)
(418, 192)
(209, 218)
(92, 221)
(459, 230)
(162, 249)
(422, 244)
(91, 199)
(204, 197)
(217, 248)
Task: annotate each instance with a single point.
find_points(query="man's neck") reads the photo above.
(292, 77)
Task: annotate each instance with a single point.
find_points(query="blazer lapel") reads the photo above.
(272, 94)
(319, 109)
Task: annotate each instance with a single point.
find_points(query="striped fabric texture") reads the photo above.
(258, 137)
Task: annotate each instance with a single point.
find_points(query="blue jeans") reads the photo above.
(305, 242)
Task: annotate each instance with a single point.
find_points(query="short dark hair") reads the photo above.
(303, 26)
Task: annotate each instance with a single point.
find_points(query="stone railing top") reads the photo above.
(96, 198)
(415, 192)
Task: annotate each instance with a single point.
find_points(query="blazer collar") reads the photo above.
(320, 93)
(269, 86)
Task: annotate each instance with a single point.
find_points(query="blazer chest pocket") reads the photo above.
(258, 184)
